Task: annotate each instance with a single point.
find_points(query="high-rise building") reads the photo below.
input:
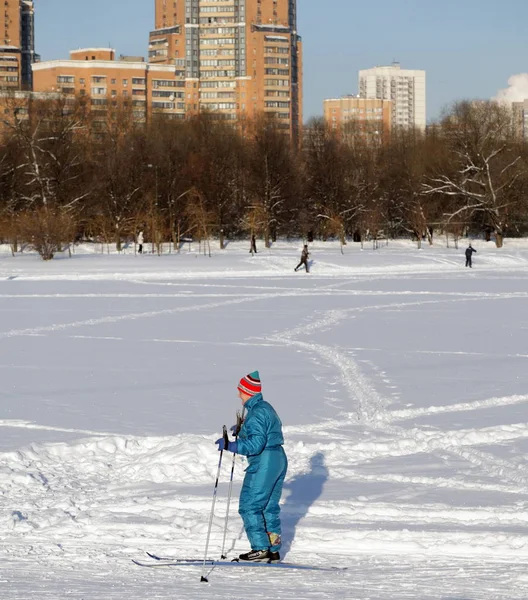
(239, 58)
(405, 88)
(17, 48)
(27, 42)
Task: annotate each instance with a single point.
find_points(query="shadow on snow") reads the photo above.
(304, 491)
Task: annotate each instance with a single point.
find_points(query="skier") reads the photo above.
(469, 256)
(304, 259)
(140, 242)
(253, 248)
(261, 440)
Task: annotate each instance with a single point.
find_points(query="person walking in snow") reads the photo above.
(140, 242)
(253, 248)
(469, 256)
(261, 440)
(304, 259)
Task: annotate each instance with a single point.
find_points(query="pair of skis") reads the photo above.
(205, 563)
(162, 561)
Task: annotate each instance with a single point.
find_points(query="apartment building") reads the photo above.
(366, 118)
(404, 88)
(239, 58)
(520, 119)
(150, 89)
(17, 48)
(235, 59)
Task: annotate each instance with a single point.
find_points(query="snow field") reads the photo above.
(400, 377)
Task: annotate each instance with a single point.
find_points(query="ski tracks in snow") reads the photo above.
(364, 448)
(387, 440)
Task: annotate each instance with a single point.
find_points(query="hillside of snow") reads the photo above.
(401, 378)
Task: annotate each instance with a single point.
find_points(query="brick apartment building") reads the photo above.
(17, 47)
(233, 58)
(367, 118)
(95, 73)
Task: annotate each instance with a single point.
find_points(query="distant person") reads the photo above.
(140, 242)
(304, 259)
(469, 256)
(253, 249)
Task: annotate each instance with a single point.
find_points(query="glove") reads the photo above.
(231, 446)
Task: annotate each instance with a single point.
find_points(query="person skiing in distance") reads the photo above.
(253, 249)
(261, 440)
(140, 242)
(469, 256)
(304, 259)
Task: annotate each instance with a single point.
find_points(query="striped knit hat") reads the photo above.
(250, 384)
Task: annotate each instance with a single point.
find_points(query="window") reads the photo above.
(165, 105)
(156, 83)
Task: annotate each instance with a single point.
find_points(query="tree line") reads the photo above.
(68, 175)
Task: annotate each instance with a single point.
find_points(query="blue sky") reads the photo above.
(469, 48)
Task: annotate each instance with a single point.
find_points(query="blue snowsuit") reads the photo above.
(260, 439)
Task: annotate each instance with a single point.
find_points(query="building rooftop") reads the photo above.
(93, 50)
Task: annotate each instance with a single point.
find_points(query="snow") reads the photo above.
(400, 376)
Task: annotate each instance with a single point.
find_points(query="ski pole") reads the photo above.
(240, 420)
(203, 578)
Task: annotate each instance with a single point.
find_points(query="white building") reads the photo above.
(520, 119)
(404, 87)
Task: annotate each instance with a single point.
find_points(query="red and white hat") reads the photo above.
(250, 384)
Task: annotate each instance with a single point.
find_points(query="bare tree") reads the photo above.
(201, 220)
(45, 229)
(122, 173)
(50, 165)
(329, 176)
(272, 174)
(10, 198)
(487, 165)
(219, 170)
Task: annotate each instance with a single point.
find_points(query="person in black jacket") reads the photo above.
(304, 259)
(253, 249)
(469, 256)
